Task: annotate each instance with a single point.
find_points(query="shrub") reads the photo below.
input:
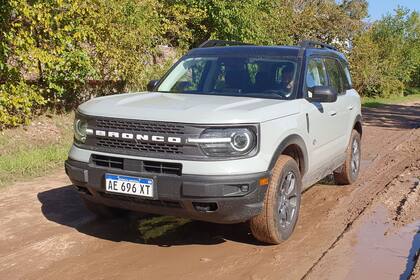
(17, 103)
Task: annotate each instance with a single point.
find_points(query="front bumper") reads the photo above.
(218, 199)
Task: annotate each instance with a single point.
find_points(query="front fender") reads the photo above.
(293, 139)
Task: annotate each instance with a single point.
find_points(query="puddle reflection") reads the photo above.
(384, 252)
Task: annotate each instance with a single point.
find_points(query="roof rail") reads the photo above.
(220, 43)
(314, 44)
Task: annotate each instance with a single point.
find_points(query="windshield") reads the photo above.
(238, 76)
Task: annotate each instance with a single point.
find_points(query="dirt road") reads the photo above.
(343, 232)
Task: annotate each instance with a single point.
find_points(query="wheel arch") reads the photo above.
(294, 146)
(357, 125)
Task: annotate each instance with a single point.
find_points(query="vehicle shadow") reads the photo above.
(63, 205)
(393, 116)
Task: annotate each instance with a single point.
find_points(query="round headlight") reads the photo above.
(80, 127)
(241, 141)
(226, 142)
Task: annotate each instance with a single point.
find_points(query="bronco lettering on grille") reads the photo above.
(137, 136)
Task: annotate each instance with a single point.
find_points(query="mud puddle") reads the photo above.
(382, 251)
(385, 242)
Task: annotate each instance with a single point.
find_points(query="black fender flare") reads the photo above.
(292, 139)
(358, 124)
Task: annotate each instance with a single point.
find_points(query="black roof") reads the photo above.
(253, 50)
(247, 50)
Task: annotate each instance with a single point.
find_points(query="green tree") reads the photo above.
(385, 58)
(365, 65)
(122, 39)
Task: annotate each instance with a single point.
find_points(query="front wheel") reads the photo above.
(278, 218)
(349, 171)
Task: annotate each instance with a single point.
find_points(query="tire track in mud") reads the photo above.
(405, 202)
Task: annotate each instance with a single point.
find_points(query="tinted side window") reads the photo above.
(316, 75)
(191, 79)
(347, 76)
(334, 74)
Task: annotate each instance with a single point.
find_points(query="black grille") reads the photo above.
(106, 161)
(162, 167)
(101, 141)
(155, 167)
(143, 126)
(128, 145)
(162, 203)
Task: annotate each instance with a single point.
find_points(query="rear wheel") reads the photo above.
(349, 171)
(103, 211)
(278, 218)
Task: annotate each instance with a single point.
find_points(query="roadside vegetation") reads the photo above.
(36, 149)
(55, 54)
(411, 95)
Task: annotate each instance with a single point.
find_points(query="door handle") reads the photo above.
(350, 107)
(333, 113)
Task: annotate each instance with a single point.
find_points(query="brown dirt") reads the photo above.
(47, 233)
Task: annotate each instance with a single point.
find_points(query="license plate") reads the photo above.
(129, 185)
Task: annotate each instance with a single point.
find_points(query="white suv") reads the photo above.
(232, 133)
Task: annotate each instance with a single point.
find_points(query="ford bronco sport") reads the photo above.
(231, 133)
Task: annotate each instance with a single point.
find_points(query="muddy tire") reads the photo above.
(280, 212)
(102, 211)
(349, 171)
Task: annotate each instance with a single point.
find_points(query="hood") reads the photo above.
(188, 108)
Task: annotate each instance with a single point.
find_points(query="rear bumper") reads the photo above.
(218, 199)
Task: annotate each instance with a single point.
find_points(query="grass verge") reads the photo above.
(32, 163)
(34, 150)
(411, 95)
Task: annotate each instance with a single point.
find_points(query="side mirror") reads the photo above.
(322, 94)
(152, 85)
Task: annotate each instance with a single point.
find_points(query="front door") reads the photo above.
(339, 108)
(325, 127)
